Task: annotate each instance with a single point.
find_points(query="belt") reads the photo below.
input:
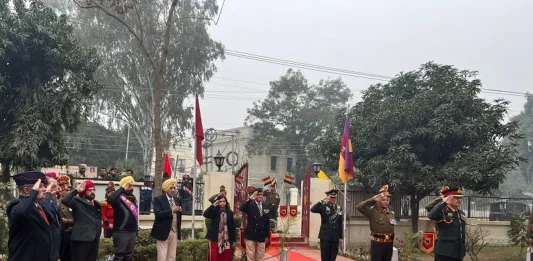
(383, 237)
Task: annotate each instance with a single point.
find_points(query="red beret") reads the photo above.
(88, 184)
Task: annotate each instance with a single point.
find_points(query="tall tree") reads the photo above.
(99, 146)
(47, 85)
(525, 145)
(156, 54)
(425, 129)
(293, 114)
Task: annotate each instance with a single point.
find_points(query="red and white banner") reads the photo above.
(293, 211)
(427, 243)
(283, 211)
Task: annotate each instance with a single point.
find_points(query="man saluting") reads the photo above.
(29, 224)
(382, 222)
(331, 232)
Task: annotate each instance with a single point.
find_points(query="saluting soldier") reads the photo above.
(451, 222)
(331, 233)
(432, 204)
(382, 221)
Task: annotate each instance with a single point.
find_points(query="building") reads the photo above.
(181, 155)
(232, 145)
(90, 172)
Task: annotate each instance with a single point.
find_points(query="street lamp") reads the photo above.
(219, 160)
(317, 167)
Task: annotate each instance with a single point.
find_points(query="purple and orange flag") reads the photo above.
(346, 171)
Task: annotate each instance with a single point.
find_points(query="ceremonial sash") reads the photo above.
(131, 206)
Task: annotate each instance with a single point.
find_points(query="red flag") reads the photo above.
(199, 133)
(167, 168)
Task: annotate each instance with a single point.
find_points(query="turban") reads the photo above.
(83, 166)
(169, 183)
(51, 175)
(63, 182)
(88, 184)
(127, 179)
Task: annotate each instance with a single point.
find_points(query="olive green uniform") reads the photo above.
(451, 225)
(272, 200)
(331, 229)
(429, 207)
(381, 227)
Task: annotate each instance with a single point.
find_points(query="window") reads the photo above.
(273, 162)
(181, 165)
(92, 170)
(289, 164)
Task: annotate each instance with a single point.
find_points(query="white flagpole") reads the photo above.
(193, 172)
(344, 221)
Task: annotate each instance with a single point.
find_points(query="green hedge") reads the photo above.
(146, 248)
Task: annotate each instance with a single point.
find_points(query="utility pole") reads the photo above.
(128, 142)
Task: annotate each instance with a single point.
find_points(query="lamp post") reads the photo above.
(219, 160)
(317, 167)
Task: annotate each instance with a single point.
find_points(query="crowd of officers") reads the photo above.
(449, 220)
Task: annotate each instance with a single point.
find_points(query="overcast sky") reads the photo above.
(380, 37)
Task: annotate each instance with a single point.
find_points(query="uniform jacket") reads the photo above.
(331, 227)
(66, 214)
(451, 225)
(107, 214)
(29, 235)
(213, 213)
(257, 225)
(380, 221)
(87, 218)
(163, 217)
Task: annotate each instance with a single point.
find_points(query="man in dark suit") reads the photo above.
(167, 224)
(50, 205)
(87, 214)
(331, 228)
(29, 223)
(257, 228)
(125, 219)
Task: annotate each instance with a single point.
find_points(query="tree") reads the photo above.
(156, 54)
(425, 129)
(293, 114)
(525, 145)
(99, 146)
(123, 165)
(47, 85)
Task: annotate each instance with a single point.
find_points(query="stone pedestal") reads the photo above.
(294, 196)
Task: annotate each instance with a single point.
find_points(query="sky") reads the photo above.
(379, 37)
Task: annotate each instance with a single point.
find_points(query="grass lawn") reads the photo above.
(492, 254)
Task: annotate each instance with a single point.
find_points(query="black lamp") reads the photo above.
(317, 167)
(219, 160)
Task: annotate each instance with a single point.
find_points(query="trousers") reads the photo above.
(124, 242)
(84, 250)
(329, 250)
(255, 251)
(166, 250)
(64, 251)
(380, 251)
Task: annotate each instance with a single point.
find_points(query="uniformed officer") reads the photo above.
(272, 200)
(382, 222)
(432, 204)
(451, 222)
(331, 230)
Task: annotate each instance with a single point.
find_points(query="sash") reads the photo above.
(131, 206)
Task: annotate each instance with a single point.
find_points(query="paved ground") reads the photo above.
(297, 254)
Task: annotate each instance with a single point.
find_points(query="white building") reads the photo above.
(181, 155)
(232, 145)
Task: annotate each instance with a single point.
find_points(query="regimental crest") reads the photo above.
(283, 210)
(427, 242)
(293, 210)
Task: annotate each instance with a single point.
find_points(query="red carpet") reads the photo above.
(292, 255)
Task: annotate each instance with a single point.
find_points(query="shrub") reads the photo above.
(518, 231)
(475, 241)
(188, 250)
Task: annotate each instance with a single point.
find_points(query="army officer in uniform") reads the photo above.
(331, 232)
(382, 222)
(451, 222)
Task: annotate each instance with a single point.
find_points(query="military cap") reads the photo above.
(384, 191)
(455, 192)
(443, 189)
(332, 193)
(29, 178)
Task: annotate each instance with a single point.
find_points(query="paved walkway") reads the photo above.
(297, 254)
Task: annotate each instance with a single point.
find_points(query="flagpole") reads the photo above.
(344, 221)
(194, 175)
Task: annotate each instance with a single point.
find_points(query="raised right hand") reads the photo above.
(377, 197)
(252, 197)
(80, 187)
(37, 185)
